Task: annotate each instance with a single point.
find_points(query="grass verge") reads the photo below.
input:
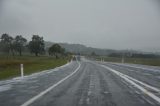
(144, 61)
(10, 66)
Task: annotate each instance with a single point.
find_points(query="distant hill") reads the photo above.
(82, 49)
(79, 48)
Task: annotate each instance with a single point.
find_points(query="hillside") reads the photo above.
(79, 48)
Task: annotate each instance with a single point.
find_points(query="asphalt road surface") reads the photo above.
(85, 83)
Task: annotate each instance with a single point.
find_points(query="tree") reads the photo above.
(19, 43)
(93, 54)
(36, 45)
(7, 43)
(1, 48)
(55, 50)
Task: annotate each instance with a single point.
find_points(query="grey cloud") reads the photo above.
(116, 24)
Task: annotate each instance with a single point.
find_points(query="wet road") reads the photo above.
(85, 83)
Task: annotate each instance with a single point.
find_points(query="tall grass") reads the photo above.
(10, 66)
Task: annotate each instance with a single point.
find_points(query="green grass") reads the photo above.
(144, 61)
(10, 66)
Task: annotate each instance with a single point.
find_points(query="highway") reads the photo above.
(85, 83)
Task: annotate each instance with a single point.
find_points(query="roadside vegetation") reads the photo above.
(144, 61)
(134, 58)
(33, 54)
(10, 67)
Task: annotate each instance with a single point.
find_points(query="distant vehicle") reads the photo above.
(74, 58)
(79, 58)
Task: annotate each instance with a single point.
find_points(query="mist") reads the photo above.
(113, 24)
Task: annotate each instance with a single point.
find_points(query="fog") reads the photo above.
(113, 24)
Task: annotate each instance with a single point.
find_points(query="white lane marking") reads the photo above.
(144, 84)
(156, 98)
(33, 99)
(137, 92)
(88, 101)
(90, 90)
(81, 101)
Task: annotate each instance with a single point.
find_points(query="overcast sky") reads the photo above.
(114, 24)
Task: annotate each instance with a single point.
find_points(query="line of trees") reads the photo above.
(14, 45)
(11, 45)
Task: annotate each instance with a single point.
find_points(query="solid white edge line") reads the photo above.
(142, 83)
(156, 98)
(33, 99)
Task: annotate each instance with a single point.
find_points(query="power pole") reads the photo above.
(122, 58)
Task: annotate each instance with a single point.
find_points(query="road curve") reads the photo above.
(92, 84)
